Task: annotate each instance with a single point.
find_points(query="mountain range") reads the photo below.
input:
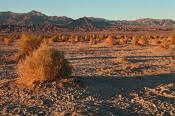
(35, 17)
(38, 18)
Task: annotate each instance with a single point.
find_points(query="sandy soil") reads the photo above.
(109, 80)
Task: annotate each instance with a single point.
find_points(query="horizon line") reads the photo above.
(89, 16)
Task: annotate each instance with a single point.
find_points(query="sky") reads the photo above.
(108, 9)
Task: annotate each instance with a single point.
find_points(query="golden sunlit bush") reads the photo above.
(155, 41)
(28, 43)
(143, 40)
(164, 44)
(92, 40)
(52, 40)
(98, 38)
(87, 38)
(110, 41)
(123, 40)
(44, 64)
(7, 41)
(135, 40)
(76, 38)
(72, 39)
(102, 36)
(64, 38)
(171, 39)
(1, 38)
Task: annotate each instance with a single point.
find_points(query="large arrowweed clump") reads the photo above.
(44, 64)
(28, 43)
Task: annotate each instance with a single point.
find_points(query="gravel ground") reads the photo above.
(107, 80)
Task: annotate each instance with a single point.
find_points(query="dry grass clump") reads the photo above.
(52, 39)
(100, 37)
(171, 39)
(123, 40)
(1, 38)
(155, 41)
(28, 43)
(164, 44)
(110, 41)
(143, 40)
(64, 38)
(72, 39)
(44, 64)
(77, 38)
(93, 40)
(135, 40)
(86, 38)
(7, 41)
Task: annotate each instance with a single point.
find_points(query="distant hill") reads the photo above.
(10, 21)
(90, 22)
(35, 17)
(31, 18)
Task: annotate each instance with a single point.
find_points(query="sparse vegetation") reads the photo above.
(28, 43)
(93, 40)
(110, 40)
(143, 40)
(135, 40)
(164, 44)
(7, 41)
(155, 41)
(171, 39)
(44, 64)
(46, 73)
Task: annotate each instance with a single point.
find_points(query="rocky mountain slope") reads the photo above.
(37, 21)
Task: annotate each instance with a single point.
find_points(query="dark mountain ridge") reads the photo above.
(37, 21)
(35, 17)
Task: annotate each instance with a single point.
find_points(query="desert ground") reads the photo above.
(107, 80)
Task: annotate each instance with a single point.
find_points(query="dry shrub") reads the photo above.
(110, 40)
(64, 38)
(59, 37)
(164, 44)
(81, 38)
(52, 39)
(155, 41)
(76, 38)
(143, 40)
(17, 36)
(87, 38)
(92, 40)
(98, 38)
(43, 64)
(1, 38)
(135, 40)
(72, 39)
(28, 43)
(102, 36)
(123, 40)
(171, 39)
(7, 41)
